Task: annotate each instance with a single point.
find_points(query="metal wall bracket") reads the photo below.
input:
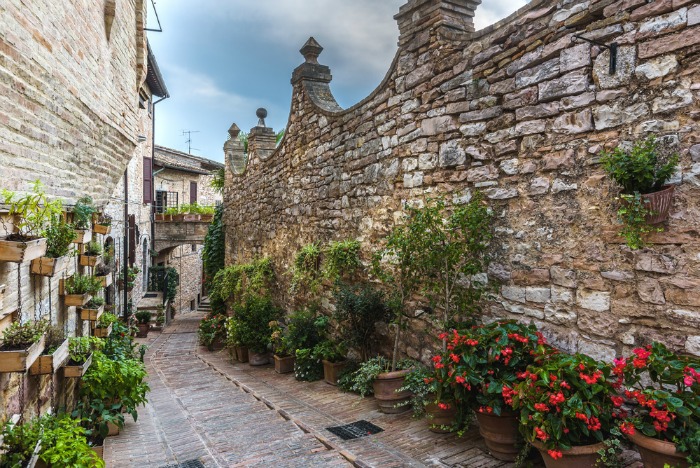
(611, 47)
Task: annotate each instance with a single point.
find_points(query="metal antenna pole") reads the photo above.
(189, 139)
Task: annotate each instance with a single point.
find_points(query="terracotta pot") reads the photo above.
(657, 453)
(438, 418)
(241, 354)
(331, 371)
(143, 330)
(258, 359)
(284, 365)
(385, 392)
(583, 456)
(501, 434)
(217, 345)
(659, 203)
(113, 429)
(206, 218)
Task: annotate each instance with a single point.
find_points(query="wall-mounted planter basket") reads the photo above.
(659, 203)
(20, 252)
(72, 300)
(103, 332)
(101, 229)
(88, 260)
(75, 371)
(106, 280)
(48, 364)
(21, 360)
(45, 266)
(91, 314)
(82, 236)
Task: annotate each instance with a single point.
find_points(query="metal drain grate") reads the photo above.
(186, 464)
(355, 430)
(150, 295)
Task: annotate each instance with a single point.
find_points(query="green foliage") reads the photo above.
(346, 375)
(330, 351)
(253, 317)
(55, 336)
(82, 284)
(243, 138)
(363, 378)
(643, 169)
(106, 319)
(160, 274)
(131, 275)
(104, 220)
(233, 336)
(82, 213)
(609, 456)
(21, 336)
(120, 344)
(59, 237)
(34, 211)
(93, 249)
(341, 259)
(143, 316)
(211, 330)
(95, 303)
(305, 329)
(358, 309)
(307, 366)
(279, 136)
(233, 283)
(96, 415)
(218, 180)
(81, 347)
(633, 215)
(306, 271)
(418, 382)
(214, 252)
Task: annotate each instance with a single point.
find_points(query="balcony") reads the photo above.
(179, 231)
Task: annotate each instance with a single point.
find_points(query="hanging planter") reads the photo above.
(20, 252)
(105, 280)
(48, 364)
(88, 260)
(45, 266)
(75, 370)
(77, 290)
(91, 313)
(82, 236)
(103, 332)
(19, 360)
(101, 229)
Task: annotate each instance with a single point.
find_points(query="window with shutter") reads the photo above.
(147, 180)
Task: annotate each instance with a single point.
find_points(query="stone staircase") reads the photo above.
(204, 306)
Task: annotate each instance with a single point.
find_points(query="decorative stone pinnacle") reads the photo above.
(261, 114)
(234, 131)
(311, 50)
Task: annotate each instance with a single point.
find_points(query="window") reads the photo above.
(193, 306)
(147, 180)
(194, 247)
(193, 192)
(165, 200)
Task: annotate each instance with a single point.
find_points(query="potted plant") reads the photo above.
(642, 173)
(143, 317)
(78, 289)
(664, 422)
(31, 214)
(253, 317)
(82, 219)
(332, 355)
(22, 344)
(131, 275)
(92, 254)
(480, 364)
(566, 409)
(80, 350)
(160, 319)
(429, 398)
(364, 382)
(206, 213)
(103, 326)
(55, 353)
(59, 237)
(99, 418)
(93, 309)
(233, 341)
(212, 332)
(306, 330)
(281, 349)
(103, 224)
(358, 308)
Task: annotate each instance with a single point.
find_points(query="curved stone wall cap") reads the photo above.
(311, 50)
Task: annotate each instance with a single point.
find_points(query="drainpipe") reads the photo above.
(125, 260)
(153, 175)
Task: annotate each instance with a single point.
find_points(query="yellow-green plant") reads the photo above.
(33, 211)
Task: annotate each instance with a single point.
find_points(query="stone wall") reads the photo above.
(520, 111)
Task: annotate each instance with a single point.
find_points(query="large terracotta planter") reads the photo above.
(284, 365)
(143, 330)
(658, 453)
(331, 371)
(20, 252)
(439, 418)
(258, 359)
(659, 203)
(500, 434)
(385, 392)
(584, 456)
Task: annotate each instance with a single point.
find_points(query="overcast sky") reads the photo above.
(222, 59)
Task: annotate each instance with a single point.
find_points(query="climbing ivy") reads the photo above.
(236, 282)
(214, 245)
(341, 259)
(306, 270)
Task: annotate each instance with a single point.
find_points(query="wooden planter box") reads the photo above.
(103, 332)
(45, 266)
(113, 429)
(91, 314)
(88, 260)
(72, 300)
(82, 236)
(101, 229)
(206, 218)
(50, 363)
(21, 360)
(106, 280)
(74, 371)
(284, 365)
(331, 371)
(20, 252)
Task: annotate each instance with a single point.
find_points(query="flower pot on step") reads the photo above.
(258, 359)
(21, 359)
(47, 364)
(385, 392)
(584, 456)
(658, 453)
(45, 266)
(284, 365)
(501, 434)
(438, 418)
(331, 371)
(143, 330)
(20, 252)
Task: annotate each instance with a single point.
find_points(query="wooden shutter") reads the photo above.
(132, 240)
(193, 192)
(147, 180)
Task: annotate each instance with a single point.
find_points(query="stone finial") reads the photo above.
(311, 50)
(233, 131)
(261, 114)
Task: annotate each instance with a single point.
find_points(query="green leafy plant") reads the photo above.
(341, 259)
(213, 253)
(633, 214)
(306, 271)
(330, 351)
(420, 381)
(96, 415)
(233, 336)
(279, 339)
(164, 278)
(81, 347)
(93, 249)
(253, 318)
(218, 180)
(358, 309)
(233, 283)
(55, 336)
(82, 213)
(82, 284)
(307, 366)
(143, 317)
(22, 336)
(363, 378)
(34, 211)
(104, 220)
(212, 329)
(59, 237)
(95, 303)
(131, 275)
(106, 319)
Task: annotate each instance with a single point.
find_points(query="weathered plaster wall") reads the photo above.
(520, 112)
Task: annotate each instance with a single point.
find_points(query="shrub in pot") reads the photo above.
(80, 350)
(92, 253)
(253, 318)
(358, 308)
(664, 422)
(306, 329)
(79, 289)
(566, 409)
(104, 324)
(642, 173)
(429, 398)
(103, 224)
(59, 237)
(281, 348)
(332, 355)
(364, 382)
(233, 341)
(92, 311)
(143, 319)
(212, 332)
(22, 344)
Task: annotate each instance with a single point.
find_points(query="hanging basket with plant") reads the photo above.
(78, 289)
(82, 219)
(102, 225)
(59, 237)
(22, 344)
(92, 254)
(55, 354)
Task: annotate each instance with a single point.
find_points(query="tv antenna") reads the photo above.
(189, 139)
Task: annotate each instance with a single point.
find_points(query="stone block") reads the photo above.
(598, 301)
(683, 297)
(473, 129)
(657, 67)
(451, 154)
(596, 350)
(669, 43)
(573, 83)
(558, 160)
(626, 61)
(563, 277)
(537, 74)
(609, 116)
(530, 127)
(513, 293)
(482, 173)
(547, 109)
(500, 193)
(618, 275)
(522, 310)
(575, 57)
(539, 186)
(692, 344)
(562, 295)
(663, 24)
(531, 277)
(694, 16)
(561, 186)
(678, 99)
(650, 291)
(560, 315)
(540, 295)
(510, 166)
(574, 122)
(656, 263)
(438, 125)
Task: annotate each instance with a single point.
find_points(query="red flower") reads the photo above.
(454, 357)
(555, 454)
(627, 428)
(485, 409)
(459, 379)
(437, 359)
(443, 406)
(541, 407)
(540, 434)
(617, 401)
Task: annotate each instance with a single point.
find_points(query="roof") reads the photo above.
(155, 80)
(179, 161)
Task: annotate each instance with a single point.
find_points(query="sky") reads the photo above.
(223, 59)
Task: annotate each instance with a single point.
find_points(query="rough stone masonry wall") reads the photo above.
(520, 112)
